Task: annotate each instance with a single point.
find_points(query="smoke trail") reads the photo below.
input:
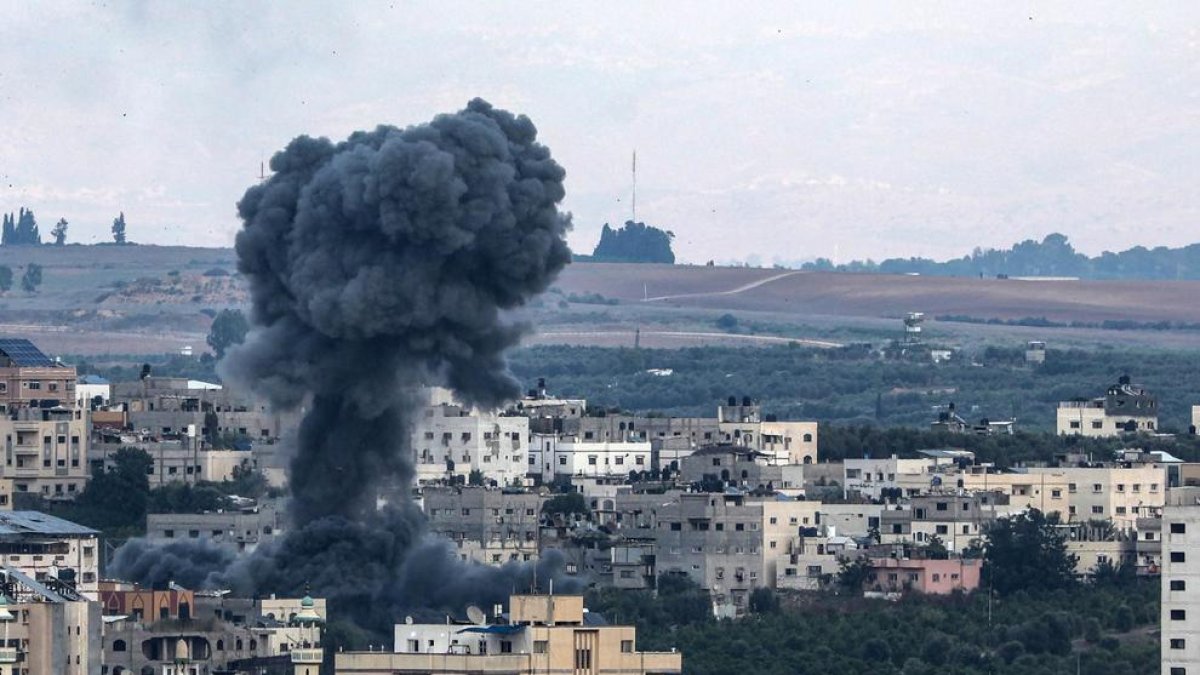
(376, 265)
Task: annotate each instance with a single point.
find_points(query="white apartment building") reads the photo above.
(1124, 408)
(451, 441)
(1180, 622)
(589, 459)
(894, 477)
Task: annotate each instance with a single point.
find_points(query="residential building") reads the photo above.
(53, 630)
(1035, 352)
(167, 407)
(50, 550)
(1118, 493)
(1124, 408)
(187, 459)
(742, 467)
(1180, 620)
(569, 457)
(92, 392)
(487, 525)
(892, 477)
(238, 529)
(450, 441)
(30, 379)
(956, 520)
(543, 634)
(936, 577)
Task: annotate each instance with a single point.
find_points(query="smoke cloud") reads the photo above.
(377, 265)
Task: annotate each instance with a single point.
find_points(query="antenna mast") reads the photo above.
(633, 215)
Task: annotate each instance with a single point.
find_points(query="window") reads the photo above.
(591, 460)
(1178, 556)
(583, 659)
(941, 506)
(1056, 494)
(506, 646)
(627, 646)
(169, 534)
(1099, 510)
(1097, 424)
(1071, 488)
(1097, 487)
(118, 645)
(1074, 424)
(539, 646)
(1177, 643)
(562, 460)
(1178, 528)
(1176, 670)
(1178, 615)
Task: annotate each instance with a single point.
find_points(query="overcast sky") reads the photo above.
(778, 132)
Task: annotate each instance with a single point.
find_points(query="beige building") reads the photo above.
(1120, 494)
(450, 441)
(1180, 622)
(51, 550)
(544, 634)
(48, 629)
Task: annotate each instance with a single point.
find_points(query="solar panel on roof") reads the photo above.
(23, 353)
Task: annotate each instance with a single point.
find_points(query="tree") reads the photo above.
(32, 278)
(634, 242)
(764, 601)
(118, 229)
(6, 278)
(228, 329)
(568, 504)
(475, 478)
(727, 322)
(1027, 552)
(60, 232)
(21, 229)
(853, 573)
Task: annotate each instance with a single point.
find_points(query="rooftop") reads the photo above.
(23, 354)
(35, 522)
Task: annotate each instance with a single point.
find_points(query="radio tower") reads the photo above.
(633, 209)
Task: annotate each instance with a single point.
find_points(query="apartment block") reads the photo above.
(1180, 621)
(450, 441)
(543, 634)
(167, 407)
(487, 525)
(238, 529)
(51, 628)
(1121, 494)
(892, 477)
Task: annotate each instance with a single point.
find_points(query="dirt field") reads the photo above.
(151, 299)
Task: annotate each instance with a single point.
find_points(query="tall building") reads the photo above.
(542, 634)
(1180, 622)
(44, 432)
(450, 441)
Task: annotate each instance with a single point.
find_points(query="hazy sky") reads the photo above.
(776, 132)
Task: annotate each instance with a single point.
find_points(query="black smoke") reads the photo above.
(377, 265)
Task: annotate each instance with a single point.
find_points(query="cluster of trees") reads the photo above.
(1053, 256)
(852, 386)
(229, 328)
(21, 229)
(30, 280)
(634, 242)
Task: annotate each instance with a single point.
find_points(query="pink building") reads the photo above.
(926, 576)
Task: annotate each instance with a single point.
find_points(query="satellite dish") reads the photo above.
(408, 620)
(476, 615)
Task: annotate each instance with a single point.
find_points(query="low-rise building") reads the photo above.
(543, 634)
(1124, 408)
(936, 577)
(1118, 493)
(238, 529)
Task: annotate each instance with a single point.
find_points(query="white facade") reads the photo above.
(449, 435)
(1089, 418)
(592, 459)
(871, 477)
(1180, 621)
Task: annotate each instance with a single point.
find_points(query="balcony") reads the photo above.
(8, 655)
(307, 655)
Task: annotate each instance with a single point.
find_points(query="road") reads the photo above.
(733, 291)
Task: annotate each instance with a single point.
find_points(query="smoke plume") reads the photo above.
(377, 265)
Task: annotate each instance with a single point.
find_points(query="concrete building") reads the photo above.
(1035, 352)
(50, 628)
(92, 392)
(487, 525)
(543, 634)
(743, 468)
(187, 459)
(1180, 622)
(1124, 408)
(45, 450)
(716, 539)
(50, 550)
(937, 577)
(240, 529)
(166, 407)
(1118, 493)
(450, 441)
(956, 520)
(590, 459)
(892, 477)
(30, 379)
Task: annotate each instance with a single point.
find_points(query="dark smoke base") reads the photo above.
(377, 265)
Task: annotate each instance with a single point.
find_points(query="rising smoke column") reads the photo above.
(377, 265)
